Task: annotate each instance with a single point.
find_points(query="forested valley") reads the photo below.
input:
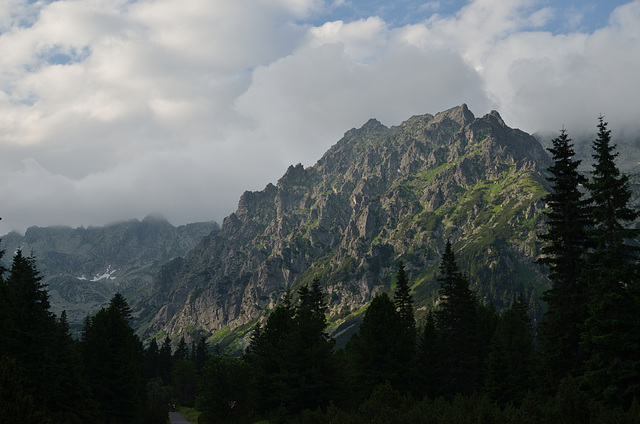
(467, 362)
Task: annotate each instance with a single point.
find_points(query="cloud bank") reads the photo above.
(112, 109)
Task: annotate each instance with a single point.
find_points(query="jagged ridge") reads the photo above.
(378, 196)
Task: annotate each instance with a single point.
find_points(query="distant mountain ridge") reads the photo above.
(85, 267)
(379, 196)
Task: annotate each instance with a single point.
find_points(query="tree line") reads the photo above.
(467, 362)
(46, 376)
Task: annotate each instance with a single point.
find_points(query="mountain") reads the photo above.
(377, 197)
(85, 267)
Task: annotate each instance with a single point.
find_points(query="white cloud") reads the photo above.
(542, 81)
(115, 109)
(337, 81)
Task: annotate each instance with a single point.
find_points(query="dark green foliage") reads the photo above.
(429, 360)
(185, 381)
(121, 304)
(47, 377)
(457, 326)
(313, 298)
(182, 351)
(201, 354)
(379, 351)
(113, 356)
(32, 327)
(610, 192)
(70, 398)
(567, 243)
(404, 303)
(487, 324)
(192, 352)
(17, 406)
(509, 364)
(152, 354)
(165, 361)
(267, 357)
(228, 391)
(610, 333)
(292, 356)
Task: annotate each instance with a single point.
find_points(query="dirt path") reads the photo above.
(176, 418)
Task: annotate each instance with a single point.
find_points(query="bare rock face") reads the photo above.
(379, 196)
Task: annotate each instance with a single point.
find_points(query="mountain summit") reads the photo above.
(377, 197)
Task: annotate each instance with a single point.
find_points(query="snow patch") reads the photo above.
(107, 275)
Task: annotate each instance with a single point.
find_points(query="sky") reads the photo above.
(114, 109)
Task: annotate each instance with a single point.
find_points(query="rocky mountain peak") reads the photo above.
(155, 219)
(373, 126)
(459, 114)
(494, 114)
(378, 196)
(294, 175)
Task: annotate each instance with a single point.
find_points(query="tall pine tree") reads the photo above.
(509, 364)
(610, 333)
(378, 352)
(429, 360)
(567, 244)
(165, 361)
(33, 327)
(121, 304)
(113, 357)
(457, 328)
(404, 303)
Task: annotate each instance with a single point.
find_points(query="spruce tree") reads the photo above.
(182, 351)
(270, 360)
(509, 364)
(404, 303)
(378, 352)
(457, 328)
(610, 333)
(201, 353)
(165, 361)
(121, 304)
(567, 243)
(113, 357)
(70, 400)
(33, 327)
(311, 353)
(429, 360)
(404, 306)
(292, 355)
(610, 191)
(192, 352)
(152, 354)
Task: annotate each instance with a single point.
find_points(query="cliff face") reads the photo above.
(84, 267)
(380, 195)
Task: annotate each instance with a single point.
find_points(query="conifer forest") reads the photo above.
(466, 362)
